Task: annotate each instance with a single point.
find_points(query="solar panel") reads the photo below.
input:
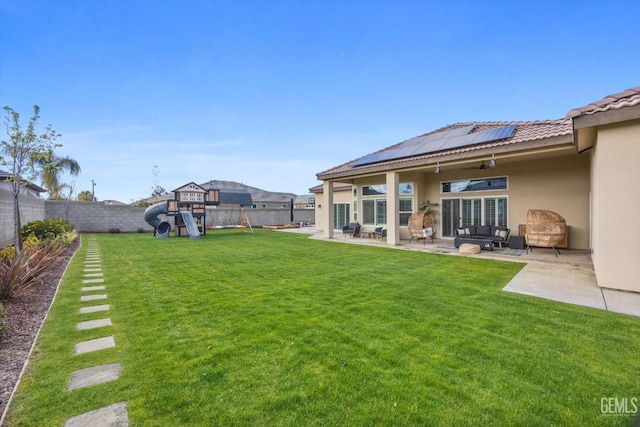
(432, 143)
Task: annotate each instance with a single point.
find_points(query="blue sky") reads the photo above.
(271, 92)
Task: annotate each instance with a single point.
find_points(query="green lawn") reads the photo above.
(277, 329)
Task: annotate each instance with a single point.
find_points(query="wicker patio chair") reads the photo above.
(545, 229)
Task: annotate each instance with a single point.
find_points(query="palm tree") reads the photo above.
(52, 166)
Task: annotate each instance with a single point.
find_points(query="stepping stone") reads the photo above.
(95, 345)
(94, 376)
(93, 281)
(93, 324)
(93, 265)
(93, 297)
(115, 415)
(93, 275)
(94, 309)
(92, 288)
(89, 270)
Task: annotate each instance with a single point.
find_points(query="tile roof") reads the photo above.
(6, 176)
(525, 131)
(628, 98)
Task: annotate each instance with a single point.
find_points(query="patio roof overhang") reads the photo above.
(522, 151)
(585, 125)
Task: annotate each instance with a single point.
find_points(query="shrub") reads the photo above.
(7, 254)
(114, 230)
(46, 230)
(140, 230)
(66, 238)
(24, 270)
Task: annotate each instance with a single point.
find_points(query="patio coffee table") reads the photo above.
(485, 245)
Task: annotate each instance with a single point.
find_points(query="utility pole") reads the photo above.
(93, 190)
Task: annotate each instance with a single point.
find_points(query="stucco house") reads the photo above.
(583, 166)
(30, 189)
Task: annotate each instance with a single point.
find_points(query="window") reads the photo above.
(374, 212)
(368, 212)
(340, 215)
(191, 197)
(405, 188)
(374, 190)
(479, 184)
(381, 211)
(406, 209)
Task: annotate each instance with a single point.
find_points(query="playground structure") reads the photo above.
(189, 211)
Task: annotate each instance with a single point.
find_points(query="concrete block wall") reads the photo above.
(96, 217)
(220, 216)
(31, 209)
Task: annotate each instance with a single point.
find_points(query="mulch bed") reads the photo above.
(23, 316)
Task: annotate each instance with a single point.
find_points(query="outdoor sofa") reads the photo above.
(484, 235)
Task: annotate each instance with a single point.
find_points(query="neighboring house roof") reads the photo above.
(627, 98)
(305, 199)
(235, 197)
(6, 176)
(231, 190)
(551, 131)
(257, 195)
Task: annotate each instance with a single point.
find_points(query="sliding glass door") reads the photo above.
(463, 212)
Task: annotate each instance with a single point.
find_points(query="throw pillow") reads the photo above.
(467, 231)
(462, 231)
(501, 233)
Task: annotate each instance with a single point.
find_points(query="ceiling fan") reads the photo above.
(483, 165)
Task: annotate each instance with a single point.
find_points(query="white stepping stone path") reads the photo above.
(94, 309)
(93, 288)
(93, 324)
(95, 345)
(93, 297)
(115, 415)
(94, 376)
(109, 416)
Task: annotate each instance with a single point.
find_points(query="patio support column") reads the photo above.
(327, 208)
(393, 206)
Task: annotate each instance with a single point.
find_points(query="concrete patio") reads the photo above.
(568, 278)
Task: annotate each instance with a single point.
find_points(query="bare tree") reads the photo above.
(22, 154)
